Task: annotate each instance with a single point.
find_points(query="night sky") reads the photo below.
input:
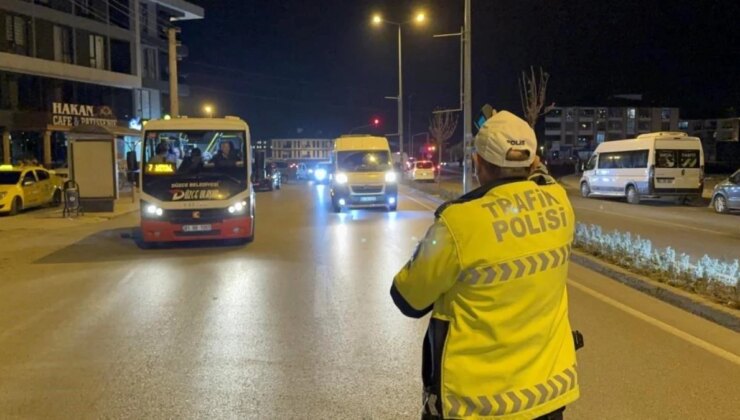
(318, 68)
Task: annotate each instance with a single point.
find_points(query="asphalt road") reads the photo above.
(695, 230)
(298, 324)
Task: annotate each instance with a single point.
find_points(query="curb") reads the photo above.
(676, 297)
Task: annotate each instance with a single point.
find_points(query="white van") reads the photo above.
(363, 174)
(652, 165)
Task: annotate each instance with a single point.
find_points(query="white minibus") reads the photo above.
(652, 165)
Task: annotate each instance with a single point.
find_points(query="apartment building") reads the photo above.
(716, 135)
(576, 131)
(301, 149)
(65, 63)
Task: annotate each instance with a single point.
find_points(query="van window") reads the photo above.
(686, 159)
(624, 160)
(364, 161)
(665, 159)
(591, 165)
(424, 165)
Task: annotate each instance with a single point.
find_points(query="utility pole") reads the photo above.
(467, 103)
(400, 97)
(174, 94)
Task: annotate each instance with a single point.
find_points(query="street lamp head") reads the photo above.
(377, 19)
(421, 17)
(208, 109)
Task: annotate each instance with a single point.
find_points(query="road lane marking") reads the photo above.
(659, 222)
(419, 202)
(717, 351)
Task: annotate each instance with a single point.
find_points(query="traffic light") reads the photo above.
(432, 148)
(376, 122)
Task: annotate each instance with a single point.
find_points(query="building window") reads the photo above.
(552, 126)
(631, 113)
(84, 7)
(644, 113)
(601, 126)
(615, 126)
(97, 52)
(17, 34)
(616, 112)
(665, 126)
(683, 125)
(556, 113)
(665, 114)
(601, 113)
(569, 126)
(150, 63)
(644, 126)
(63, 44)
(585, 126)
(569, 114)
(588, 113)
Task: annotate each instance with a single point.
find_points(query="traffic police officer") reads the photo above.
(492, 271)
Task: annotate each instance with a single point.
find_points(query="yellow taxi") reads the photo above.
(23, 187)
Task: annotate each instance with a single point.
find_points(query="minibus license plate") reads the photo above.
(367, 199)
(196, 228)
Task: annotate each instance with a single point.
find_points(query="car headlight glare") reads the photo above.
(320, 174)
(391, 177)
(341, 178)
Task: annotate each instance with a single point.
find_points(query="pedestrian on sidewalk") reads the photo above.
(492, 271)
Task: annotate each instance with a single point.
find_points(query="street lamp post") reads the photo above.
(467, 102)
(418, 19)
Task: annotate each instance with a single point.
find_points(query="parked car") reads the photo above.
(423, 171)
(24, 187)
(270, 179)
(726, 195)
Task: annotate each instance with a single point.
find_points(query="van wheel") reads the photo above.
(720, 204)
(632, 195)
(585, 190)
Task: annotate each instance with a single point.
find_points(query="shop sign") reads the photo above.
(72, 115)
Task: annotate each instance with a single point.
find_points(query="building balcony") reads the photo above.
(57, 70)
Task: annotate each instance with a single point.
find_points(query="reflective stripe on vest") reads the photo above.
(513, 402)
(516, 268)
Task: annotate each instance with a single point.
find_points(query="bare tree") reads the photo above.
(442, 126)
(532, 91)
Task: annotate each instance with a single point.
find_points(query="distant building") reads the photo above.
(65, 63)
(714, 133)
(260, 144)
(571, 131)
(301, 149)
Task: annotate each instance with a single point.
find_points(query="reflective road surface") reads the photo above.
(298, 324)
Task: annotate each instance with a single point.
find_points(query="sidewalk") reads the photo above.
(51, 218)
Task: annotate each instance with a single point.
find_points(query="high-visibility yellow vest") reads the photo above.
(499, 343)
